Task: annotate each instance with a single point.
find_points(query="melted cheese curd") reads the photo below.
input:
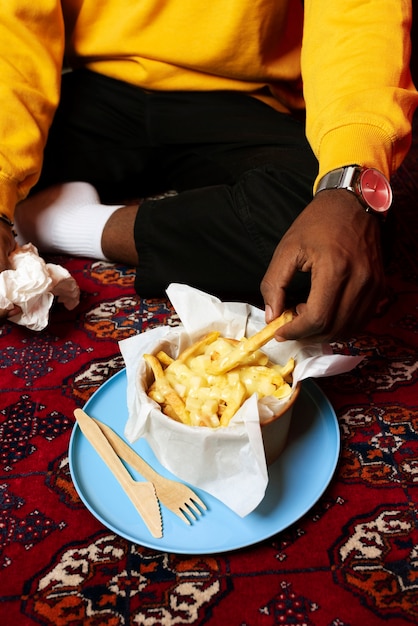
(212, 400)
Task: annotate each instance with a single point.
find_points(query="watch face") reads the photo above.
(376, 190)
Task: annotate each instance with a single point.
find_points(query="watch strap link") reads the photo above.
(338, 178)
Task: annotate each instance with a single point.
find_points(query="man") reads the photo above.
(207, 103)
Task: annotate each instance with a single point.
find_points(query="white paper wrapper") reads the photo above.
(228, 463)
(32, 285)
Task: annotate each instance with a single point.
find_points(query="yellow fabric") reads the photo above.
(357, 88)
(357, 82)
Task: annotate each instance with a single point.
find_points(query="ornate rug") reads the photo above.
(351, 560)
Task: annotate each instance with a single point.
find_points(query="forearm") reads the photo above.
(31, 51)
(358, 90)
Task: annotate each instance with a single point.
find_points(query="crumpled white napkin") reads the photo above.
(32, 284)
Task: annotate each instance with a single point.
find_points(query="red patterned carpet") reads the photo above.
(351, 560)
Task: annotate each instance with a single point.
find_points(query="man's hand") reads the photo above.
(336, 240)
(7, 245)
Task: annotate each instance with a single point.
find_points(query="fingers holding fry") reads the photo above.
(267, 333)
(248, 346)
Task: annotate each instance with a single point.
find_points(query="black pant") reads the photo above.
(243, 172)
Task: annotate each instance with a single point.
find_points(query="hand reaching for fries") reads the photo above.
(346, 269)
(212, 378)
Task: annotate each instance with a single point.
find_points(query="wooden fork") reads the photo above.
(176, 496)
(142, 494)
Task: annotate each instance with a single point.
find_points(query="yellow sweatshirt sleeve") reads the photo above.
(357, 85)
(31, 52)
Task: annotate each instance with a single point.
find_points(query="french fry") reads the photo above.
(234, 400)
(286, 371)
(164, 358)
(172, 399)
(198, 346)
(247, 346)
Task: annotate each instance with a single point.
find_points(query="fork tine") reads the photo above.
(189, 513)
(193, 507)
(182, 515)
(198, 501)
(189, 510)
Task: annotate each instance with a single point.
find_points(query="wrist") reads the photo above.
(6, 220)
(368, 185)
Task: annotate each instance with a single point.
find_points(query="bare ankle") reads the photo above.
(118, 243)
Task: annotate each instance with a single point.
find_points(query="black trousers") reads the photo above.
(241, 170)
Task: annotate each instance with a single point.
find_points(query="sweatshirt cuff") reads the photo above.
(358, 144)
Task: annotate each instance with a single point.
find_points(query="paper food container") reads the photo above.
(274, 430)
(230, 463)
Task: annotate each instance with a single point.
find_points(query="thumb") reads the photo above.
(274, 300)
(273, 287)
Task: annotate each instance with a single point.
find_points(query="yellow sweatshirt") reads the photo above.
(352, 55)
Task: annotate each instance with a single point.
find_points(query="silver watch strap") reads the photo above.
(341, 177)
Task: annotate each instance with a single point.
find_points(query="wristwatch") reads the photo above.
(369, 185)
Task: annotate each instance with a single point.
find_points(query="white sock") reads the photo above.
(64, 219)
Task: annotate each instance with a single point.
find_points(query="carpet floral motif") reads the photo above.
(121, 579)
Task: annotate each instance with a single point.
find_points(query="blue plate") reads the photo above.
(296, 480)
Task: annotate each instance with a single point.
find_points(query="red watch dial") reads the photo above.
(376, 190)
